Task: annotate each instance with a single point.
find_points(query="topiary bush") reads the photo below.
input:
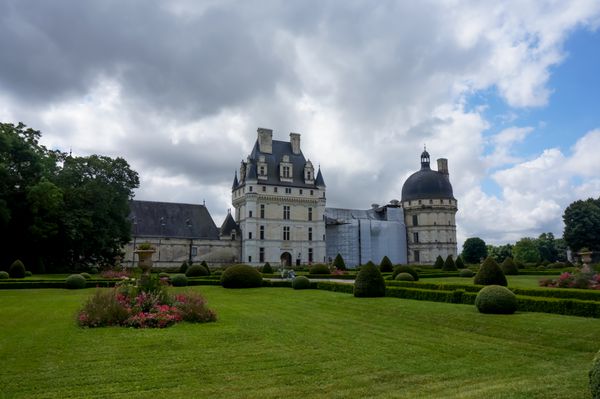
(94, 270)
(405, 269)
(319, 269)
(386, 265)
(509, 267)
(490, 274)
(164, 275)
(85, 275)
(75, 281)
(595, 377)
(241, 276)
(369, 282)
(339, 263)
(496, 299)
(196, 271)
(28, 273)
(300, 283)
(404, 277)
(183, 268)
(205, 265)
(459, 263)
(4, 275)
(179, 280)
(439, 262)
(449, 265)
(267, 269)
(465, 273)
(17, 269)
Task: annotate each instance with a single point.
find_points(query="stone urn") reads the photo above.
(145, 260)
(586, 257)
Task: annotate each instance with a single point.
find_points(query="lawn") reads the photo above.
(277, 342)
(523, 281)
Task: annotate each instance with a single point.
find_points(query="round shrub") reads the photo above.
(595, 377)
(509, 267)
(369, 282)
(541, 268)
(217, 272)
(17, 269)
(300, 283)
(405, 269)
(28, 273)
(490, 273)
(75, 281)
(4, 275)
(496, 299)
(179, 280)
(241, 276)
(319, 269)
(466, 273)
(404, 277)
(94, 270)
(196, 271)
(85, 275)
(386, 265)
(267, 269)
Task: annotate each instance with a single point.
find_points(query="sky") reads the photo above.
(508, 92)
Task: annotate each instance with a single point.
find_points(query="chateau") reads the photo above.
(280, 217)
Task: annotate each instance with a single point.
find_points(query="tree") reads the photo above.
(439, 262)
(386, 265)
(474, 250)
(582, 225)
(526, 251)
(500, 252)
(339, 263)
(449, 264)
(547, 247)
(490, 273)
(459, 263)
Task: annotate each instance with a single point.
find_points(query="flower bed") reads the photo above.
(584, 279)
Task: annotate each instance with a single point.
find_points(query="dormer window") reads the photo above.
(309, 173)
(285, 169)
(262, 168)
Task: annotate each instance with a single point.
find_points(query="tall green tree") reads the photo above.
(474, 250)
(582, 224)
(526, 251)
(547, 247)
(499, 252)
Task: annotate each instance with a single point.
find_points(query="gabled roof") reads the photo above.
(167, 219)
(229, 225)
(319, 181)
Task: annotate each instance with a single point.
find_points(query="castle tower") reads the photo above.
(429, 210)
(279, 204)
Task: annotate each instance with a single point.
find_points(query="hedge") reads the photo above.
(337, 287)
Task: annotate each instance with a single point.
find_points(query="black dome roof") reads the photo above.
(427, 183)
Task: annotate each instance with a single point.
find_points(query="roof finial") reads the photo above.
(203, 202)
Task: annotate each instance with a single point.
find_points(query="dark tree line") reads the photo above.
(59, 212)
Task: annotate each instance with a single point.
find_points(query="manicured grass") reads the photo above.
(278, 342)
(513, 281)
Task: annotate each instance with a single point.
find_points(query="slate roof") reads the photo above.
(279, 149)
(427, 184)
(229, 225)
(174, 220)
(319, 181)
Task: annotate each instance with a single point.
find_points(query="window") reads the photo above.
(323, 237)
(417, 256)
(415, 220)
(264, 188)
(288, 190)
(286, 212)
(250, 188)
(262, 232)
(249, 235)
(262, 170)
(249, 259)
(194, 251)
(431, 201)
(310, 255)
(249, 214)
(419, 202)
(261, 254)
(308, 175)
(274, 189)
(286, 233)
(415, 237)
(300, 191)
(286, 171)
(233, 236)
(309, 213)
(312, 192)
(262, 211)
(310, 234)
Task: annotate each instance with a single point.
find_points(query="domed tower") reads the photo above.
(429, 211)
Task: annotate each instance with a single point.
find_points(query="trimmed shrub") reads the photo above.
(439, 262)
(540, 267)
(28, 273)
(404, 277)
(459, 263)
(217, 272)
(449, 265)
(164, 275)
(490, 274)
(339, 263)
(196, 271)
(241, 276)
(386, 265)
(85, 275)
(4, 275)
(267, 269)
(509, 267)
(17, 269)
(369, 282)
(300, 283)
(179, 280)
(94, 270)
(75, 281)
(595, 377)
(465, 273)
(183, 268)
(319, 269)
(405, 269)
(496, 299)
(205, 265)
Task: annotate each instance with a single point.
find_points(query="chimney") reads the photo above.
(265, 140)
(295, 142)
(442, 166)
